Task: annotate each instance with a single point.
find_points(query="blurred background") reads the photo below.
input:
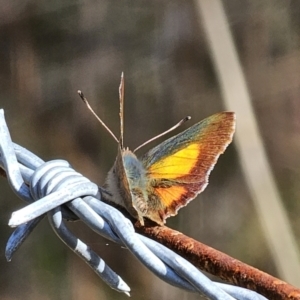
(50, 49)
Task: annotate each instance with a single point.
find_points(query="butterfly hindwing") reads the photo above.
(178, 168)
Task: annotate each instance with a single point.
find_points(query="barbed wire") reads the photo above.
(55, 189)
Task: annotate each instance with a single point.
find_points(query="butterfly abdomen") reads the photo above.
(139, 201)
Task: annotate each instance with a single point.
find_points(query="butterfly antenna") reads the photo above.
(121, 97)
(93, 112)
(164, 133)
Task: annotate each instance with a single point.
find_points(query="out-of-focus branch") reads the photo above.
(220, 264)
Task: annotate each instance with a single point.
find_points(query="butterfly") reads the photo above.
(171, 174)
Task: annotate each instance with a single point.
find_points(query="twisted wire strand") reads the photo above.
(55, 183)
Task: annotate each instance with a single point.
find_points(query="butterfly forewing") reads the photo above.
(178, 169)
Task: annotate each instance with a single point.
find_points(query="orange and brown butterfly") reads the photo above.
(171, 174)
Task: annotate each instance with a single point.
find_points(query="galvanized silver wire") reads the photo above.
(55, 189)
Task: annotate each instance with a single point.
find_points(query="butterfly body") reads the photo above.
(127, 183)
(171, 174)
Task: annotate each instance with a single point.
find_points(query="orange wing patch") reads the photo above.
(169, 194)
(176, 180)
